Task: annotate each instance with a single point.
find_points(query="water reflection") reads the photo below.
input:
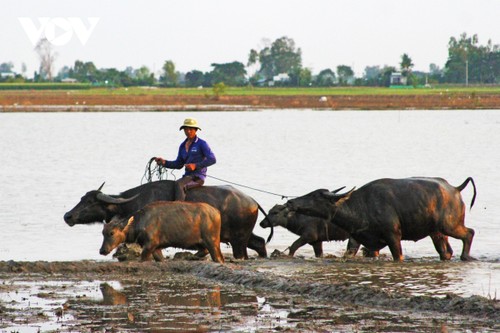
(171, 304)
(110, 296)
(188, 305)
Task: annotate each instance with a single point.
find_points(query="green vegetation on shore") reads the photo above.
(44, 86)
(84, 89)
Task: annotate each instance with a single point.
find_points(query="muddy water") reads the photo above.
(415, 278)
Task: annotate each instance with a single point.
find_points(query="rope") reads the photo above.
(153, 171)
(161, 173)
(252, 188)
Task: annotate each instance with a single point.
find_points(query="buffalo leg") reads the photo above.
(352, 248)
(369, 253)
(466, 235)
(146, 254)
(215, 253)
(442, 246)
(467, 245)
(158, 255)
(318, 248)
(396, 251)
(459, 231)
(239, 250)
(201, 253)
(296, 245)
(394, 243)
(150, 249)
(258, 244)
(448, 246)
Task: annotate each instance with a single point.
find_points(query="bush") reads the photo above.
(219, 89)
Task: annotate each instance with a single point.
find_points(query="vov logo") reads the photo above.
(58, 30)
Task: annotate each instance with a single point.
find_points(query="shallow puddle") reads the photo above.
(169, 303)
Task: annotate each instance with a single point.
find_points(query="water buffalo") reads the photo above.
(162, 224)
(386, 211)
(238, 211)
(312, 230)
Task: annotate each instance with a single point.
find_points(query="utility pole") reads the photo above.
(466, 73)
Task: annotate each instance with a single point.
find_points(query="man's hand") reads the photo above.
(159, 161)
(190, 167)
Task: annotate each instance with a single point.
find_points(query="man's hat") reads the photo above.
(190, 122)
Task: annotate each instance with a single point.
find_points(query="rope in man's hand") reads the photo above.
(154, 171)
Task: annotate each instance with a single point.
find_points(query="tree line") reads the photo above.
(278, 64)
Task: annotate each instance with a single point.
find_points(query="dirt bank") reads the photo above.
(232, 293)
(30, 101)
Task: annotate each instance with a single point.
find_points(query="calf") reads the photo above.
(312, 230)
(162, 224)
(386, 211)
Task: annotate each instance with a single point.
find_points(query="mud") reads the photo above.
(64, 101)
(264, 295)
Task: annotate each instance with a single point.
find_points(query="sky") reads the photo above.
(196, 33)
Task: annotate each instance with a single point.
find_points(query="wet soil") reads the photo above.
(280, 294)
(33, 101)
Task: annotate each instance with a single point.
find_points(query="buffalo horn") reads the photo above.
(112, 200)
(100, 187)
(338, 190)
(334, 193)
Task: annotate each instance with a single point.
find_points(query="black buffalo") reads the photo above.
(311, 229)
(238, 211)
(386, 211)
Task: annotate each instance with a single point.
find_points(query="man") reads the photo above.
(194, 155)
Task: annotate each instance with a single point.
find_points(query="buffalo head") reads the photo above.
(94, 207)
(277, 216)
(114, 233)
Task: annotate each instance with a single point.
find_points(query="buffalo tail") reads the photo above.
(464, 184)
(272, 228)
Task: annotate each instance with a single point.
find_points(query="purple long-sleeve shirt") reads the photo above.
(199, 153)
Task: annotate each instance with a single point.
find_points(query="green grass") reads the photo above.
(251, 91)
(82, 89)
(44, 86)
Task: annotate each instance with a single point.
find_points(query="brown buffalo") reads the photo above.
(162, 224)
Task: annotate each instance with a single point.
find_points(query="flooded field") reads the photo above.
(52, 277)
(282, 294)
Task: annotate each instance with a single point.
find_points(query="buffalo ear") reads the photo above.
(346, 196)
(129, 223)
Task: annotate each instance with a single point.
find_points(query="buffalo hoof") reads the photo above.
(278, 254)
(369, 253)
(466, 257)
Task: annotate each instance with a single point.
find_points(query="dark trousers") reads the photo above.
(184, 184)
